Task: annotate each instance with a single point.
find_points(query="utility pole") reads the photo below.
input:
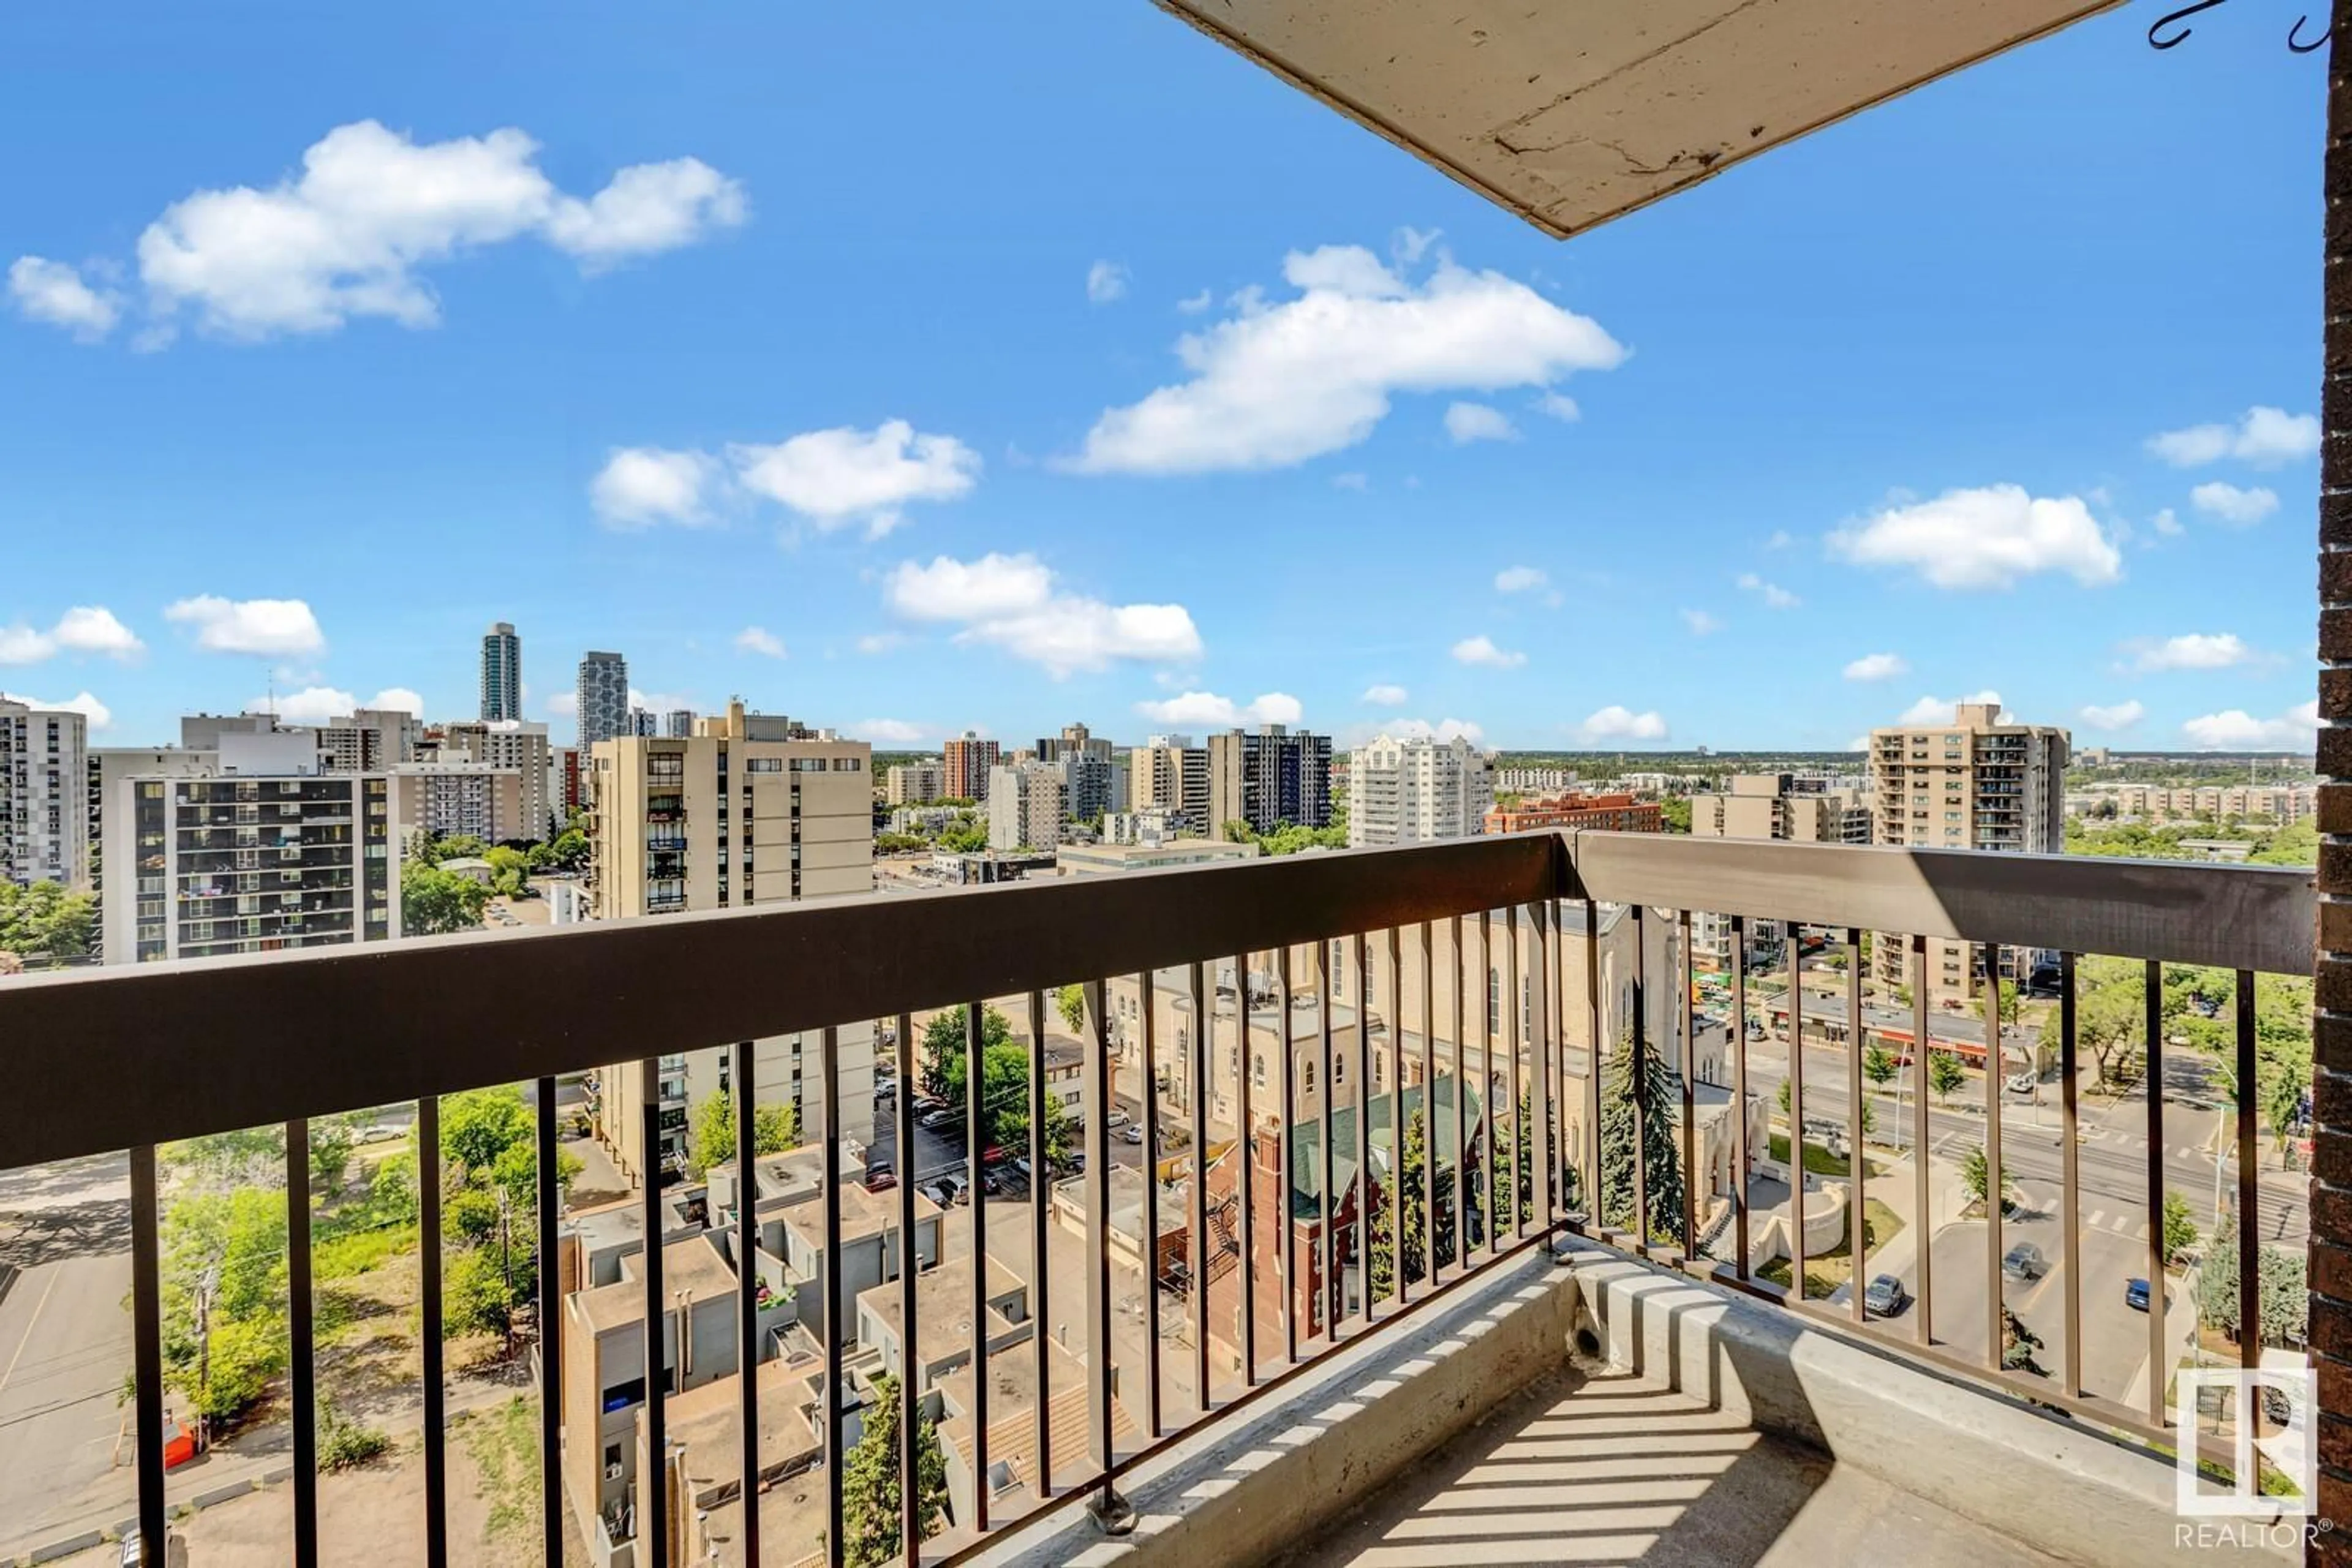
(205, 1287)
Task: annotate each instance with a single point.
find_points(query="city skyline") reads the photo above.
(1954, 497)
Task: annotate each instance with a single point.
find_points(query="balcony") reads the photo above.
(1710, 1371)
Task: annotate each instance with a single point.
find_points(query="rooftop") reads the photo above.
(692, 1268)
(943, 1306)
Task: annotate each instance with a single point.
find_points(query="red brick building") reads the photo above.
(1574, 810)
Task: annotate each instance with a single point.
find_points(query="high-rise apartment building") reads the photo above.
(1026, 803)
(44, 795)
(1168, 774)
(679, 724)
(443, 800)
(369, 741)
(645, 721)
(1092, 784)
(517, 744)
(1414, 790)
(755, 810)
(501, 674)
(602, 692)
(1075, 739)
(256, 850)
(915, 783)
(1973, 783)
(1268, 776)
(967, 761)
(1781, 805)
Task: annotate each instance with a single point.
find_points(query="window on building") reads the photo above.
(1307, 1075)
(1339, 971)
(1494, 1000)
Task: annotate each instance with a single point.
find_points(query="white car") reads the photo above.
(1132, 1134)
(2023, 1082)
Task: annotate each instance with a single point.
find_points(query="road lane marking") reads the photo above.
(29, 1323)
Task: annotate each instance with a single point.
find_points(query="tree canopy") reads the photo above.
(46, 917)
(434, 902)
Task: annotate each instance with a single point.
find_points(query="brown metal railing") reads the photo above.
(556, 1002)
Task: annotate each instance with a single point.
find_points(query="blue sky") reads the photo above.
(649, 330)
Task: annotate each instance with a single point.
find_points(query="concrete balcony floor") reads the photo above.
(1610, 1468)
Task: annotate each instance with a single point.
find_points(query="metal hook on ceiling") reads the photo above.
(2292, 33)
(2180, 16)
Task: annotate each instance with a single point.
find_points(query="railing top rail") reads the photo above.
(178, 1049)
(2263, 917)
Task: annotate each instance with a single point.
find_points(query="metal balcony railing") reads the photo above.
(812, 969)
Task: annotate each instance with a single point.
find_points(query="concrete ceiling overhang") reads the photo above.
(1571, 112)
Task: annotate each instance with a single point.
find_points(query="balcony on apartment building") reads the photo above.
(1558, 1383)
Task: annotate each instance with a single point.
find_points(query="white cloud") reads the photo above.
(84, 628)
(1274, 385)
(2264, 437)
(98, 715)
(873, 643)
(1206, 710)
(564, 705)
(1408, 244)
(1702, 623)
(2235, 730)
(1384, 696)
(400, 698)
(1481, 651)
(2237, 507)
(2167, 524)
(1877, 667)
(1782, 539)
(1620, 723)
(1986, 538)
(1012, 602)
(753, 639)
(1521, 580)
(1468, 422)
(1561, 407)
(1939, 710)
(249, 626)
(1772, 594)
(54, 292)
(893, 732)
(1193, 304)
(844, 474)
(1106, 281)
(310, 705)
(1352, 481)
(2120, 716)
(641, 486)
(2192, 650)
(349, 235)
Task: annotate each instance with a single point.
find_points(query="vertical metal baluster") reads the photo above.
(1286, 1180)
(551, 1340)
(1740, 1154)
(428, 1226)
(1360, 948)
(147, 1349)
(1543, 1163)
(1461, 1106)
(1922, 1142)
(1196, 1096)
(2249, 1212)
(1488, 1004)
(2069, 1170)
(744, 1086)
(302, 1373)
(1244, 1188)
(2152, 1086)
(1428, 1115)
(1635, 1082)
(653, 1521)
(1327, 1284)
(1107, 1504)
(1857, 1204)
(1683, 979)
(1396, 1118)
(1037, 1242)
(1796, 1111)
(1515, 1020)
(976, 1147)
(1597, 1033)
(910, 1266)
(836, 1325)
(1998, 1295)
(1152, 1371)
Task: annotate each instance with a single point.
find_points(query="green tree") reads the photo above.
(1973, 1169)
(1383, 1218)
(944, 1048)
(2008, 1002)
(482, 1286)
(774, 1129)
(1675, 812)
(1233, 830)
(45, 918)
(1880, 1067)
(223, 1272)
(470, 1214)
(2110, 1012)
(1945, 1074)
(1071, 1002)
(2286, 1302)
(479, 1125)
(1633, 1092)
(570, 851)
(2179, 1229)
(459, 847)
(331, 1142)
(434, 902)
(1008, 1119)
(870, 1497)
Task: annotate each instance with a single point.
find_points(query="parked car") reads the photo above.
(2024, 1262)
(880, 1177)
(1117, 1120)
(1885, 1297)
(2135, 1295)
(940, 1120)
(381, 1132)
(2023, 1082)
(937, 1192)
(1020, 1168)
(957, 1188)
(1131, 1133)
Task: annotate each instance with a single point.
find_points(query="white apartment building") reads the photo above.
(1534, 781)
(752, 810)
(1974, 784)
(518, 745)
(917, 783)
(369, 741)
(442, 800)
(255, 850)
(44, 795)
(1025, 806)
(1414, 790)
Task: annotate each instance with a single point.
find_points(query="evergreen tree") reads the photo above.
(1383, 1218)
(1633, 1090)
(869, 1482)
